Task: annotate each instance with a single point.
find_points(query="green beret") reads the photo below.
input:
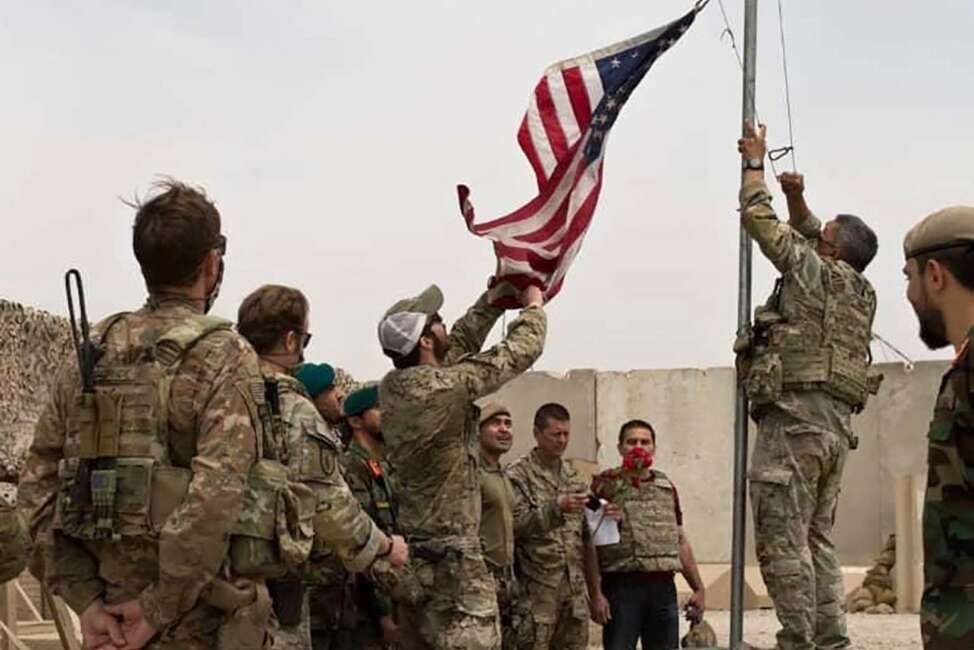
(361, 400)
(316, 377)
(948, 228)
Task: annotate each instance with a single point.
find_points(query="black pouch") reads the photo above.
(287, 597)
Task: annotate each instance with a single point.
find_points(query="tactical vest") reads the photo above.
(948, 513)
(122, 475)
(802, 342)
(649, 533)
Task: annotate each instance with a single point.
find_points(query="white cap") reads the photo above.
(400, 332)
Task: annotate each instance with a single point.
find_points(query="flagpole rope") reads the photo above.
(907, 361)
(729, 32)
(784, 67)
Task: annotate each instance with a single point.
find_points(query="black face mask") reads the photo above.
(215, 291)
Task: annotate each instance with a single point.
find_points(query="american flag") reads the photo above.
(563, 136)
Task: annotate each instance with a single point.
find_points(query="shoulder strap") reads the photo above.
(107, 324)
(174, 343)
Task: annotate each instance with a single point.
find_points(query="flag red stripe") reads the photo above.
(557, 219)
(578, 95)
(527, 146)
(549, 118)
(529, 209)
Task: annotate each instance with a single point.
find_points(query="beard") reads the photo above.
(933, 330)
(440, 348)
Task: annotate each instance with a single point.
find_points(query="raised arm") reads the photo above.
(800, 216)
(470, 331)
(487, 371)
(783, 245)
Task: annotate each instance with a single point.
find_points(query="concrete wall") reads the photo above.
(693, 413)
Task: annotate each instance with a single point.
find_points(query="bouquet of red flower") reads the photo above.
(614, 484)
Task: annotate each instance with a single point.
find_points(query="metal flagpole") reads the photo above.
(743, 323)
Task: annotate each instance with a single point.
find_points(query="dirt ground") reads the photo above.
(867, 632)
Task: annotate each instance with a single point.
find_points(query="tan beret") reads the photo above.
(947, 228)
(491, 409)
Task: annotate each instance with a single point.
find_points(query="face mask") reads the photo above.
(215, 291)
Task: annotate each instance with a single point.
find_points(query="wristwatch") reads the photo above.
(752, 163)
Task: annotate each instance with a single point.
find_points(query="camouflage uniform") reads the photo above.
(13, 536)
(806, 375)
(344, 533)
(947, 612)
(430, 428)
(372, 483)
(552, 607)
(172, 562)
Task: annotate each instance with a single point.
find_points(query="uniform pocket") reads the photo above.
(774, 511)
(764, 379)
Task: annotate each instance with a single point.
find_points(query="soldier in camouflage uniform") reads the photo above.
(132, 490)
(372, 482)
(556, 564)
(806, 370)
(447, 595)
(499, 531)
(639, 602)
(13, 535)
(332, 603)
(275, 321)
(939, 268)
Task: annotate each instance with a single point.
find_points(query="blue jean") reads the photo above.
(642, 609)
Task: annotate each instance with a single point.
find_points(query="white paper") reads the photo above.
(604, 529)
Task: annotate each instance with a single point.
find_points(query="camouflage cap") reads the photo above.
(362, 400)
(947, 228)
(403, 323)
(492, 409)
(429, 302)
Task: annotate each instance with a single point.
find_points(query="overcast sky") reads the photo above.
(331, 136)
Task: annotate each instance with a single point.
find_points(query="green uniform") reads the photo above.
(807, 371)
(552, 609)
(370, 480)
(430, 427)
(947, 613)
(497, 537)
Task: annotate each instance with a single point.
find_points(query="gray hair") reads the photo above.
(856, 241)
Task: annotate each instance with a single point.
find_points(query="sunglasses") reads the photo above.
(305, 339)
(221, 245)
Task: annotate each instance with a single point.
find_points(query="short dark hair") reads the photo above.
(402, 361)
(173, 232)
(959, 260)
(636, 424)
(856, 241)
(269, 313)
(550, 411)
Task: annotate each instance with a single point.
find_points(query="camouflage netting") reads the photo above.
(33, 344)
(876, 595)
